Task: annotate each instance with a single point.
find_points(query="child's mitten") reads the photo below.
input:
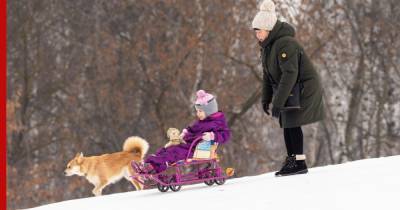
(208, 136)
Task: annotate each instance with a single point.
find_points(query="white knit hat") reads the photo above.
(266, 17)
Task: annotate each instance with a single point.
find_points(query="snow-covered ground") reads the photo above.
(367, 184)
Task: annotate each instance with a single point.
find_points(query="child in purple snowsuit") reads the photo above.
(211, 125)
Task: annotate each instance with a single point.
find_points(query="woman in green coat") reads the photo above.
(284, 64)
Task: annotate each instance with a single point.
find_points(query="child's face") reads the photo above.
(200, 114)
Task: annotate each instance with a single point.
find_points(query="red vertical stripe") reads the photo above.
(3, 95)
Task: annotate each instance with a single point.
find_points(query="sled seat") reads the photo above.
(204, 152)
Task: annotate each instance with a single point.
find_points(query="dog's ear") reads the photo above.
(79, 154)
(79, 158)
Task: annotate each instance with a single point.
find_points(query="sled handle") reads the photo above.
(191, 145)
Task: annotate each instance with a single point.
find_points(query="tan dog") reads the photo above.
(174, 138)
(109, 168)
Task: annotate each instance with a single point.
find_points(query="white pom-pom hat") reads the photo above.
(265, 18)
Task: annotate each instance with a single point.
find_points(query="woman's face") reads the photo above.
(200, 114)
(261, 34)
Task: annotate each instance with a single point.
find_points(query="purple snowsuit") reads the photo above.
(215, 123)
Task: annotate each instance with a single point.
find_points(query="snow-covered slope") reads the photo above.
(367, 184)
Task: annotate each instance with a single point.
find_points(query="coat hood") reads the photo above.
(280, 30)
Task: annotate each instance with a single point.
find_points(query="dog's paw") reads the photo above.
(96, 192)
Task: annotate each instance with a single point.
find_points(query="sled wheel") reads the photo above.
(220, 181)
(209, 182)
(162, 188)
(173, 187)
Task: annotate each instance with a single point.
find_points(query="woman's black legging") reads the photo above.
(293, 140)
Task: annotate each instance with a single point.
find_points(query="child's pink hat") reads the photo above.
(202, 98)
(206, 102)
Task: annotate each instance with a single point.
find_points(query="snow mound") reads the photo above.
(365, 184)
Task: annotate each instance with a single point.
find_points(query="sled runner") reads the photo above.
(205, 168)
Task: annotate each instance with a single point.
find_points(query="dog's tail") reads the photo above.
(137, 145)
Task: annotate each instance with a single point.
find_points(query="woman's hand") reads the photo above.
(276, 112)
(208, 136)
(265, 107)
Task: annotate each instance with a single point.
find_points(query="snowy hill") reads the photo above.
(367, 184)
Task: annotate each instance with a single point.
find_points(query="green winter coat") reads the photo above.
(280, 54)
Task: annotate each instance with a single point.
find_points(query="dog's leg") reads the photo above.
(97, 190)
(137, 185)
